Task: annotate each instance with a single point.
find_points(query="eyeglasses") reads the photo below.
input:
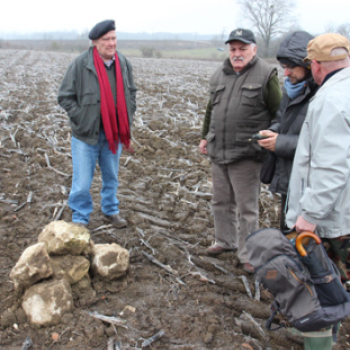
(288, 68)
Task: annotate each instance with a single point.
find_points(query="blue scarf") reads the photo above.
(293, 90)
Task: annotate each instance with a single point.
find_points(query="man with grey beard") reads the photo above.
(244, 97)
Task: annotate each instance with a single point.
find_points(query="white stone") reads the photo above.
(46, 303)
(63, 238)
(32, 266)
(71, 267)
(109, 261)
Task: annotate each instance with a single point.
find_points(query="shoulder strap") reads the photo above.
(274, 309)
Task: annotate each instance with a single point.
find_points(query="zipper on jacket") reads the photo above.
(225, 117)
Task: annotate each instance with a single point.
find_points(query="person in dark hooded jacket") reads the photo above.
(283, 133)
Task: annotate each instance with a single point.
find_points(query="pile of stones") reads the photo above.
(64, 257)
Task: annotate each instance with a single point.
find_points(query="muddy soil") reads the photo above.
(165, 195)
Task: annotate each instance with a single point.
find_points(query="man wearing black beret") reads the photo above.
(99, 96)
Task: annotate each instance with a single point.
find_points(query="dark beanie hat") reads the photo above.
(292, 49)
(288, 62)
(101, 29)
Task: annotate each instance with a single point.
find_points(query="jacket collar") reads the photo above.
(334, 79)
(329, 75)
(310, 88)
(90, 60)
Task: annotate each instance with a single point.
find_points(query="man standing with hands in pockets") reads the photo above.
(98, 94)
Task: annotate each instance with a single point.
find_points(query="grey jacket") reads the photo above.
(290, 118)
(79, 95)
(320, 181)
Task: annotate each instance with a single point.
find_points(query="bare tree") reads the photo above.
(269, 17)
(219, 39)
(344, 29)
(223, 34)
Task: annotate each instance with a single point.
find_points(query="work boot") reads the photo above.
(321, 343)
(116, 220)
(317, 340)
(248, 268)
(215, 249)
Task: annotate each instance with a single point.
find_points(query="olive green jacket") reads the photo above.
(240, 105)
(79, 96)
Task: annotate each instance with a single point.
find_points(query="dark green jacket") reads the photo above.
(240, 105)
(79, 95)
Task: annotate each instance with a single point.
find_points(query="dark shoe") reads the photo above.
(216, 249)
(116, 220)
(248, 268)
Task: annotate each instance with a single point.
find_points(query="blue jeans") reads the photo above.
(84, 158)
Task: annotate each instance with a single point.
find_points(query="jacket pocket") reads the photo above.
(84, 123)
(244, 131)
(89, 98)
(211, 144)
(290, 285)
(216, 94)
(210, 136)
(251, 94)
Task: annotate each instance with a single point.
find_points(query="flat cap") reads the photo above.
(101, 28)
(321, 47)
(240, 34)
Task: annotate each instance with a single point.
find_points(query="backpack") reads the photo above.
(307, 289)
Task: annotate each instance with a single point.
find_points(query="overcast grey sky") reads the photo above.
(200, 16)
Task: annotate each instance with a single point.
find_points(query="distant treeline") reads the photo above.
(75, 35)
(57, 41)
(80, 45)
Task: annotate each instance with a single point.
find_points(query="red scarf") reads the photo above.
(114, 131)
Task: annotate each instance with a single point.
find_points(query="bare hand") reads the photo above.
(302, 225)
(269, 143)
(129, 149)
(203, 146)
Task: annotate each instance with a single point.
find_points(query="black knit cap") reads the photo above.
(292, 49)
(101, 29)
(240, 34)
(288, 62)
